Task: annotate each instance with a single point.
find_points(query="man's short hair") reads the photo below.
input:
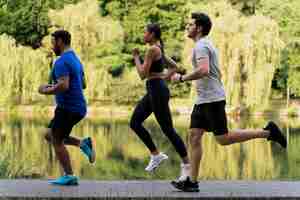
(203, 20)
(64, 35)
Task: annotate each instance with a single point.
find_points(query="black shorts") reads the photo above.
(210, 117)
(64, 121)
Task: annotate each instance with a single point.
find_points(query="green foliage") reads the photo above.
(247, 7)
(4, 166)
(135, 15)
(280, 78)
(116, 70)
(59, 4)
(293, 62)
(288, 73)
(27, 20)
(294, 81)
(286, 13)
(30, 23)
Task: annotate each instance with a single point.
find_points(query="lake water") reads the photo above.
(121, 155)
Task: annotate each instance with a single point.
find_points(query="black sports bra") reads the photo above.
(157, 65)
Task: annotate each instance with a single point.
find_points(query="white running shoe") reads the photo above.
(155, 161)
(185, 172)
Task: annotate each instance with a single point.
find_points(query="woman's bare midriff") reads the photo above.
(160, 75)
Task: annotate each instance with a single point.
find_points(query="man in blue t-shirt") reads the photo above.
(68, 77)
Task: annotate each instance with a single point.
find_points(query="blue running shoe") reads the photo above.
(65, 180)
(87, 148)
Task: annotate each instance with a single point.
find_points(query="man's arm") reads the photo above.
(172, 67)
(201, 70)
(62, 85)
(202, 66)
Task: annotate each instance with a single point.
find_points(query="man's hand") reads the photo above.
(43, 89)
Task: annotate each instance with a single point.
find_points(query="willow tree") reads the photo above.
(249, 51)
(21, 72)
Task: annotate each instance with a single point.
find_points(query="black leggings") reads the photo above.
(157, 101)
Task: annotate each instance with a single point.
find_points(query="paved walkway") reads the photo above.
(158, 190)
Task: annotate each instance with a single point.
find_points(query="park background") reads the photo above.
(259, 52)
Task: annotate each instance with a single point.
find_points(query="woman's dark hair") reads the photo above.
(155, 28)
(65, 36)
(203, 20)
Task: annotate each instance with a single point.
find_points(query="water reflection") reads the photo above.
(120, 154)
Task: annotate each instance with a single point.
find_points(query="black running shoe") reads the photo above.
(275, 134)
(186, 185)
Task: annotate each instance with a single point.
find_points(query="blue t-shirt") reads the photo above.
(68, 64)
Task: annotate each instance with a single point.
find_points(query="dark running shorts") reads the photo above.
(210, 117)
(64, 121)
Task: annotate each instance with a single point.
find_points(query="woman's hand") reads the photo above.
(176, 77)
(135, 52)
